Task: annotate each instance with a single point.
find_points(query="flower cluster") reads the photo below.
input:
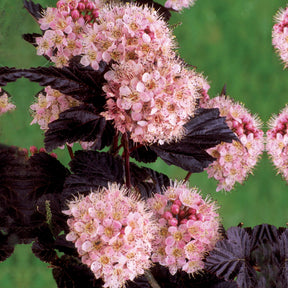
(235, 161)
(5, 105)
(149, 93)
(65, 28)
(280, 35)
(152, 102)
(50, 103)
(127, 32)
(112, 232)
(188, 228)
(179, 5)
(277, 140)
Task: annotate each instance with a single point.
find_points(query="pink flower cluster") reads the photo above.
(112, 232)
(179, 5)
(277, 142)
(149, 94)
(188, 228)
(127, 32)
(280, 35)
(50, 103)
(152, 102)
(5, 104)
(235, 161)
(65, 28)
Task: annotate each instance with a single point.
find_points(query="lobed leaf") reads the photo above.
(231, 258)
(82, 83)
(91, 169)
(81, 123)
(205, 130)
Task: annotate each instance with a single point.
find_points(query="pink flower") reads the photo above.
(49, 104)
(5, 104)
(112, 232)
(280, 34)
(236, 160)
(182, 246)
(153, 101)
(277, 142)
(178, 5)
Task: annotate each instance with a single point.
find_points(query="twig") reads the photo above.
(151, 279)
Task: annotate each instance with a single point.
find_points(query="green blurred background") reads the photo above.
(230, 42)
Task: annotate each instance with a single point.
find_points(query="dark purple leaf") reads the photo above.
(43, 246)
(91, 169)
(231, 258)
(8, 74)
(143, 154)
(31, 38)
(82, 83)
(147, 181)
(81, 123)
(283, 247)
(22, 182)
(36, 10)
(71, 273)
(205, 130)
(6, 248)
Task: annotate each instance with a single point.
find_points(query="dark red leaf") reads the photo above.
(36, 10)
(82, 83)
(205, 130)
(81, 123)
(8, 74)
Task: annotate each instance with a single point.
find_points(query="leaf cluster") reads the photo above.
(252, 257)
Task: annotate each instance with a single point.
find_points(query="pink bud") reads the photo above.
(75, 14)
(167, 215)
(33, 150)
(87, 18)
(192, 211)
(90, 6)
(42, 150)
(192, 217)
(173, 222)
(95, 13)
(60, 4)
(81, 6)
(175, 209)
(54, 155)
(183, 221)
(178, 202)
(182, 213)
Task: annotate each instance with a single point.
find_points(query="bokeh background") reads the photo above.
(230, 42)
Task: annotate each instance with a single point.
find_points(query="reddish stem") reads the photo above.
(70, 151)
(187, 177)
